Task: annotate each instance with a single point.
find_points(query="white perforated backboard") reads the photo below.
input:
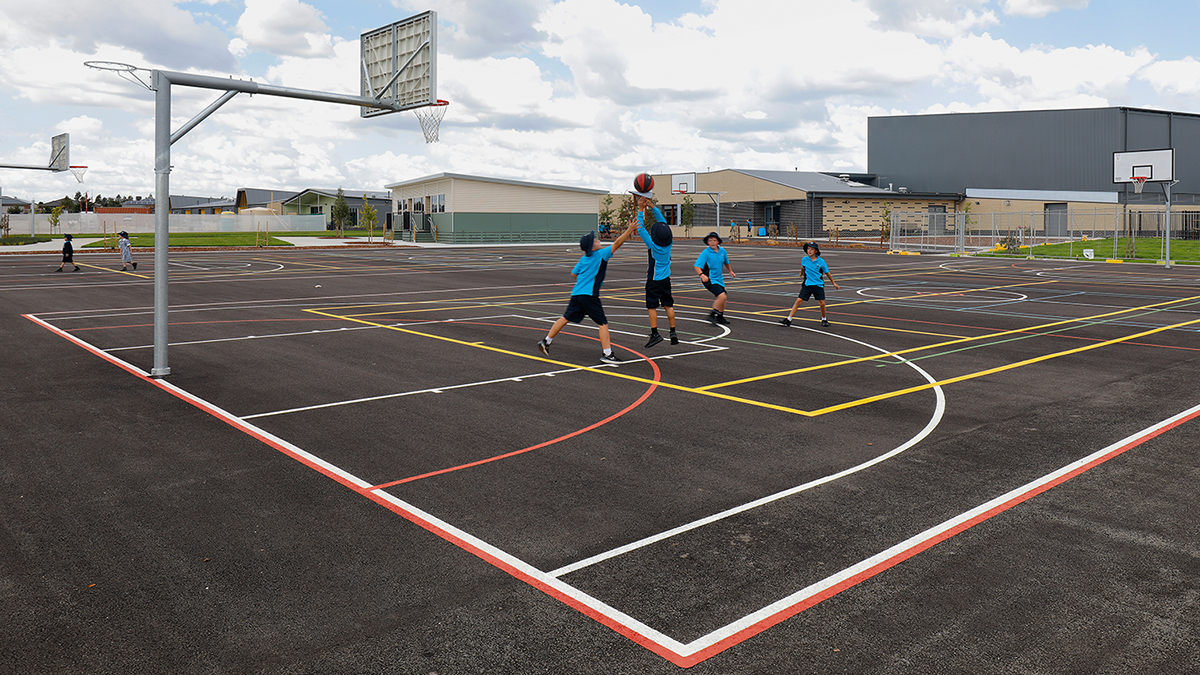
(1156, 166)
(399, 62)
(60, 152)
(683, 182)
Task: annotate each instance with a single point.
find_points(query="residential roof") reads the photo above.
(12, 201)
(265, 195)
(487, 179)
(348, 194)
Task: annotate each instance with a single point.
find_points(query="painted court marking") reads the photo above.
(702, 648)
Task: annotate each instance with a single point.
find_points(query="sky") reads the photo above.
(584, 93)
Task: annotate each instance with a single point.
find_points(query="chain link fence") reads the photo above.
(1121, 234)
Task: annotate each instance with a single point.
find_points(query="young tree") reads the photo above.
(686, 215)
(55, 214)
(4, 224)
(340, 212)
(606, 214)
(885, 223)
(370, 218)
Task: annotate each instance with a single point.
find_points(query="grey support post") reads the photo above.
(162, 215)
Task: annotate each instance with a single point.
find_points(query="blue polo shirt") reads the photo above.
(660, 256)
(589, 272)
(713, 263)
(813, 269)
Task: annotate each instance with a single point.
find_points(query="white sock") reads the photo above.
(608, 352)
(549, 339)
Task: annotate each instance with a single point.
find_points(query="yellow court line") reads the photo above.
(987, 336)
(998, 369)
(105, 269)
(772, 312)
(610, 373)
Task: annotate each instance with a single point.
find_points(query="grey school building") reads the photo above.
(458, 208)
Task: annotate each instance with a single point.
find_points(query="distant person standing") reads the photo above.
(68, 254)
(733, 230)
(126, 250)
(749, 228)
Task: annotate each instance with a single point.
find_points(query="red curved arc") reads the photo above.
(641, 399)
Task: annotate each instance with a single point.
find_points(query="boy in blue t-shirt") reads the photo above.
(711, 265)
(658, 274)
(814, 268)
(585, 296)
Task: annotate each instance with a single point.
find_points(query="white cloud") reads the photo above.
(1179, 78)
(286, 27)
(1040, 8)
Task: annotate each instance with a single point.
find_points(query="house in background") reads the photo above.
(313, 201)
(185, 204)
(268, 198)
(8, 202)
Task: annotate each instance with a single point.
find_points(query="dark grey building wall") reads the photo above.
(1027, 150)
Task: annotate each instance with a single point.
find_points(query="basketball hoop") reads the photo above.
(124, 70)
(430, 118)
(1139, 182)
(78, 172)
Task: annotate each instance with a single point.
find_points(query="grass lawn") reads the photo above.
(1147, 250)
(146, 239)
(18, 239)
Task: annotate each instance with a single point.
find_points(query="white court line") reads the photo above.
(938, 413)
(683, 655)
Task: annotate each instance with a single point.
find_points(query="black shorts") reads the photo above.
(585, 305)
(817, 292)
(658, 291)
(715, 289)
(67, 258)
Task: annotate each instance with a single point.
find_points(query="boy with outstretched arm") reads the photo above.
(658, 240)
(711, 265)
(814, 268)
(585, 296)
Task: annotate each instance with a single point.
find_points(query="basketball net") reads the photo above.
(1138, 183)
(78, 172)
(430, 118)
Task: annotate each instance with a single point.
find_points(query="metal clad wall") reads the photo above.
(1020, 150)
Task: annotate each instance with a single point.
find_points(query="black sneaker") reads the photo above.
(655, 338)
(674, 338)
(610, 358)
(712, 318)
(76, 269)
(722, 320)
(543, 347)
(135, 266)
(824, 323)
(785, 321)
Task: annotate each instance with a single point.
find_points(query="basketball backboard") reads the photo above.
(683, 183)
(60, 152)
(399, 63)
(1156, 166)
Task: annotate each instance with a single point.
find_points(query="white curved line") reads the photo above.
(939, 411)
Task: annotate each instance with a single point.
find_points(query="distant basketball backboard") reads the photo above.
(399, 63)
(683, 183)
(1156, 166)
(60, 152)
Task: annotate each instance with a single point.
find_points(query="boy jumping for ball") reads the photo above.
(814, 268)
(658, 275)
(585, 296)
(711, 264)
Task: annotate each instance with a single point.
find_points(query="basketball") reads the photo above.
(643, 183)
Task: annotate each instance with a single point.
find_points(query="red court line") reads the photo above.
(918, 545)
(657, 378)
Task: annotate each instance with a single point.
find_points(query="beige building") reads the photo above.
(458, 208)
(790, 203)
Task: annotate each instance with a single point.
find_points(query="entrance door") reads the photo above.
(937, 220)
(1056, 220)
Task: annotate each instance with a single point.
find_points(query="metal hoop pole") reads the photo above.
(162, 212)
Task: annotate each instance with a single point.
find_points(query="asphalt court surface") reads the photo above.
(962, 474)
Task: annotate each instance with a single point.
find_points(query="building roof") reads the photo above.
(6, 202)
(486, 179)
(815, 181)
(265, 195)
(187, 201)
(348, 194)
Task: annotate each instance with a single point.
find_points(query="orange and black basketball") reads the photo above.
(643, 183)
